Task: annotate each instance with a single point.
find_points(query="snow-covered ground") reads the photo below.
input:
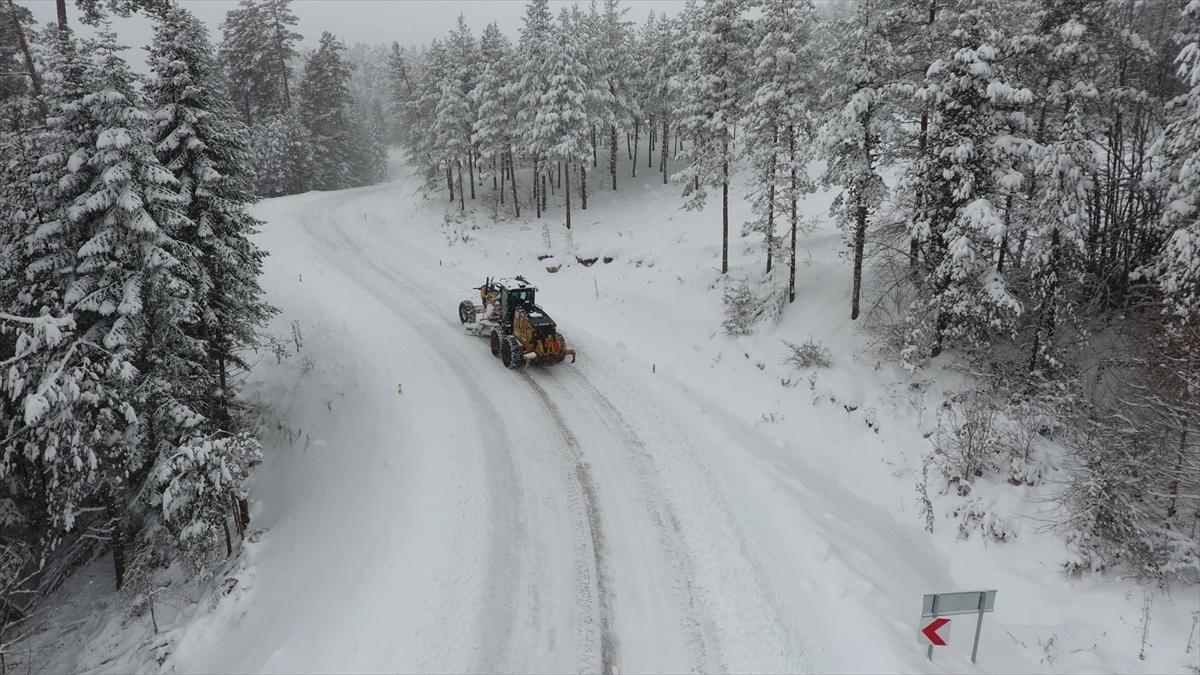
(676, 501)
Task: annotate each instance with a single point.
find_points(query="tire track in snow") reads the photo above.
(589, 544)
(698, 630)
(502, 548)
(591, 504)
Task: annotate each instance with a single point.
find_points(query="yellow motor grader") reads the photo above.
(520, 332)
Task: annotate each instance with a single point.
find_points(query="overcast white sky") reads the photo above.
(411, 22)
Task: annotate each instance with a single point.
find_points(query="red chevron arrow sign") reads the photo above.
(935, 632)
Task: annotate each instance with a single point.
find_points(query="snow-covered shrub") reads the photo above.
(811, 354)
(748, 305)
(200, 486)
(967, 438)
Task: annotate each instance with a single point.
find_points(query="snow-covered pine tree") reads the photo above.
(778, 133)
(257, 49)
(1051, 237)
(324, 102)
(198, 139)
(713, 103)
(954, 185)
(860, 125)
(455, 115)
(401, 92)
(282, 156)
(492, 133)
(110, 253)
(613, 75)
(1178, 265)
(368, 149)
(562, 125)
(531, 80)
(421, 115)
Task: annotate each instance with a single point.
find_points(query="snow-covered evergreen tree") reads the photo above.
(257, 49)
(778, 131)
(562, 126)
(713, 103)
(282, 156)
(860, 126)
(199, 140)
(955, 185)
(324, 102)
(1178, 265)
(493, 97)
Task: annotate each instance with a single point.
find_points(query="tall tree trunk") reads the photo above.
(545, 180)
(62, 14)
(794, 221)
(582, 185)
(650, 144)
(612, 155)
(637, 129)
(34, 80)
(462, 202)
(860, 240)
(450, 180)
(569, 192)
(725, 212)
(559, 166)
(666, 134)
(471, 168)
(537, 196)
(495, 182)
(117, 533)
(512, 176)
(595, 154)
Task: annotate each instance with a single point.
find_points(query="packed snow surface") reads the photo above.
(676, 501)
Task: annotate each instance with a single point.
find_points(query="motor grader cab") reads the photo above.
(520, 332)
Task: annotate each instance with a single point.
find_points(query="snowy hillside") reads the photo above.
(678, 500)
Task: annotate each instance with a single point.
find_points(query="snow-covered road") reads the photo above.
(548, 520)
(420, 508)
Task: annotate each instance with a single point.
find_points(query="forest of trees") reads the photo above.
(1016, 180)
(129, 293)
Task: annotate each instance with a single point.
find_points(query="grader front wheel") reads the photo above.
(511, 354)
(466, 311)
(495, 343)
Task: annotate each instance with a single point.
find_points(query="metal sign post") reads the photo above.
(949, 604)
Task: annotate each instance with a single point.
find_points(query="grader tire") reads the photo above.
(511, 354)
(466, 311)
(495, 343)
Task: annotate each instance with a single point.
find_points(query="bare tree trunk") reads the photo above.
(450, 180)
(860, 238)
(462, 202)
(569, 193)
(62, 14)
(471, 168)
(666, 133)
(537, 196)
(512, 176)
(650, 144)
(595, 154)
(582, 185)
(794, 222)
(117, 533)
(637, 129)
(725, 214)
(34, 80)
(545, 180)
(612, 155)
